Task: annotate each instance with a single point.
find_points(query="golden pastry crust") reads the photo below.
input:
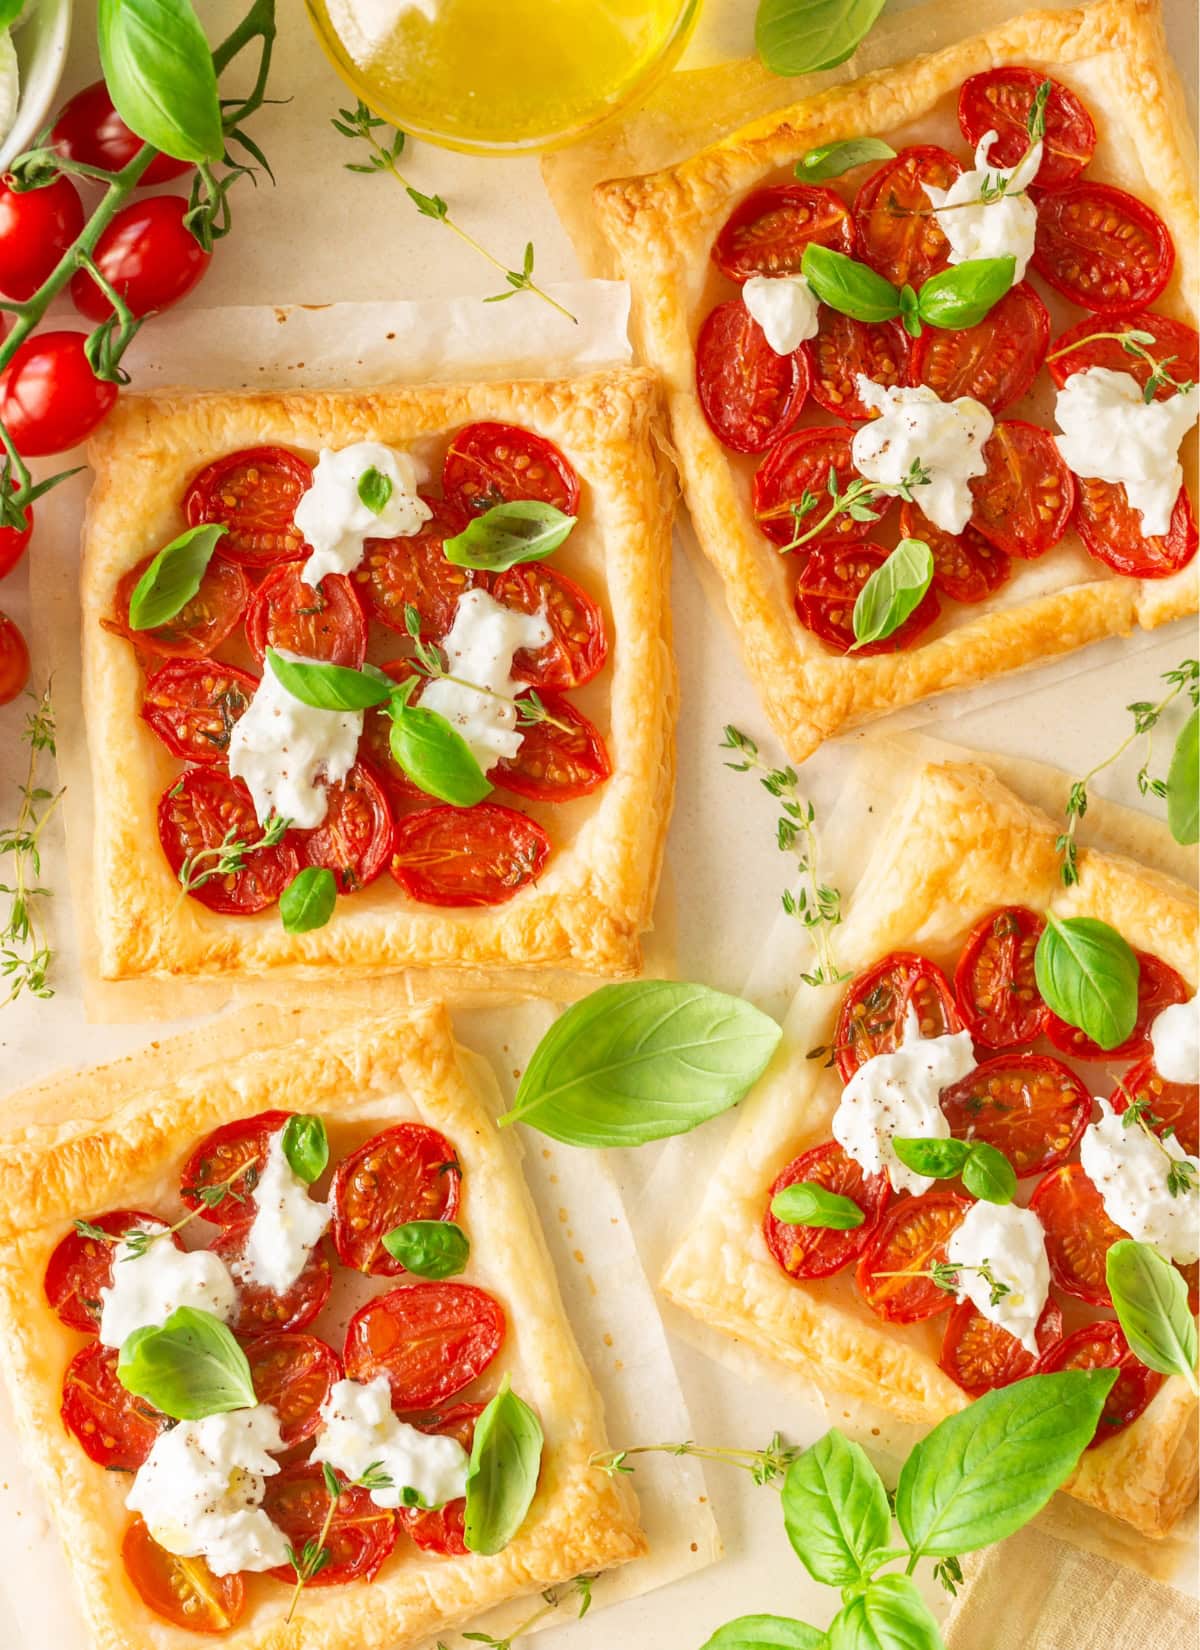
(141, 1123)
(661, 228)
(957, 845)
(588, 910)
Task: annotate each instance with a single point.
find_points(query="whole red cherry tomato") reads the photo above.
(90, 130)
(36, 228)
(50, 398)
(14, 660)
(149, 256)
(13, 540)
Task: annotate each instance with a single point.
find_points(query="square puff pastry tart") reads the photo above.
(661, 228)
(958, 845)
(116, 1136)
(584, 915)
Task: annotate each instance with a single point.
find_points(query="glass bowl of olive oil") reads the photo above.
(502, 76)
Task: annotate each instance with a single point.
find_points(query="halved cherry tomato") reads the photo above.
(193, 704)
(254, 492)
(201, 625)
(876, 1004)
(441, 1530)
(1111, 530)
(468, 856)
(408, 1172)
(1000, 101)
(911, 1236)
(842, 348)
(898, 234)
(994, 981)
(236, 1152)
(1171, 342)
(994, 361)
(579, 645)
(112, 1426)
(1170, 1105)
(801, 463)
(979, 1355)
(1102, 248)
(36, 228)
(486, 464)
(197, 812)
(828, 586)
(767, 233)
(183, 1591)
(430, 1339)
(1158, 987)
(361, 1535)
(1024, 500)
(816, 1251)
(324, 623)
(556, 763)
(294, 1374)
(1078, 1232)
(1029, 1106)
(965, 566)
(354, 840)
(748, 393)
(14, 660)
(14, 540)
(1103, 1346)
(81, 1266)
(50, 398)
(89, 129)
(261, 1310)
(413, 572)
(148, 255)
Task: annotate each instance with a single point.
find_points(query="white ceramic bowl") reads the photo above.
(41, 40)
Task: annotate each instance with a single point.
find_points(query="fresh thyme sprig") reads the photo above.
(1134, 343)
(360, 124)
(428, 662)
(1181, 1172)
(230, 854)
(1184, 678)
(852, 502)
(554, 1597)
(763, 1465)
(212, 1196)
(944, 1275)
(24, 952)
(814, 903)
(315, 1553)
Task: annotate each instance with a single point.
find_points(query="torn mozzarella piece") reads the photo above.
(785, 307)
(287, 1223)
(1009, 1245)
(336, 522)
(1110, 433)
(1130, 1167)
(479, 649)
(283, 748)
(915, 426)
(1175, 1039)
(147, 1287)
(998, 227)
(360, 1430)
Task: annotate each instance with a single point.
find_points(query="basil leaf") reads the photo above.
(1151, 1302)
(832, 160)
(436, 757)
(306, 1146)
(502, 1478)
(525, 530)
(160, 76)
(808, 1203)
(1088, 975)
(330, 687)
(849, 287)
(374, 490)
(802, 36)
(983, 1473)
(988, 1175)
(963, 294)
(939, 1159)
(892, 592)
(189, 1367)
(173, 577)
(429, 1248)
(765, 1633)
(1183, 783)
(889, 1614)
(10, 10)
(640, 1061)
(308, 900)
(835, 1510)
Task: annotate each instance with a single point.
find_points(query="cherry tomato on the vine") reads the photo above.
(36, 228)
(50, 398)
(14, 660)
(14, 541)
(90, 130)
(148, 255)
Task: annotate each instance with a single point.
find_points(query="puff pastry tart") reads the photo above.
(365, 1379)
(934, 1297)
(557, 674)
(1042, 539)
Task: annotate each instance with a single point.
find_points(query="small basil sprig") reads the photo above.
(808, 1203)
(892, 593)
(306, 1146)
(173, 577)
(833, 160)
(160, 76)
(1183, 784)
(986, 1173)
(433, 753)
(429, 1248)
(502, 1478)
(960, 296)
(1150, 1299)
(189, 1367)
(1088, 975)
(804, 36)
(308, 900)
(508, 533)
(374, 490)
(640, 1061)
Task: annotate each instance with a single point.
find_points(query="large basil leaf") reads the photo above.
(429, 1248)
(808, 1203)
(835, 1510)
(173, 577)
(189, 1367)
(1151, 1301)
(330, 687)
(435, 756)
(502, 1478)
(308, 900)
(160, 75)
(524, 530)
(640, 1061)
(983, 1473)
(962, 295)
(765, 1633)
(893, 592)
(1183, 783)
(889, 1614)
(1088, 975)
(802, 36)
(832, 160)
(849, 287)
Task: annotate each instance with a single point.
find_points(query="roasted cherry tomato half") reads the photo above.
(994, 982)
(898, 234)
(1158, 987)
(396, 574)
(254, 492)
(801, 463)
(148, 255)
(81, 1267)
(966, 567)
(406, 1173)
(36, 228)
(1077, 349)
(979, 1355)
(234, 1156)
(749, 394)
(1103, 1346)
(558, 760)
(1029, 1106)
(183, 1591)
(1079, 1233)
(876, 1004)
(263, 1311)
(294, 1374)
(468, 856)
(360, 1536)
(112, 1426)
(1024, 500)
(194, 704)
(323, 623)
(1000, 101)
(815, 1251)
(430, 1339)
(90, 130)
(1168, 1105)
(1102, 248)
(354, 840)
(488, 464)
(842, 349)
(441, 1529)
(579, 643)
(14, 660)
(50, 399)
(1111, 530)
(995, 361)
(767, 233)
(197, 812)
(201, 625)
(912, 1235)
(829, 584)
